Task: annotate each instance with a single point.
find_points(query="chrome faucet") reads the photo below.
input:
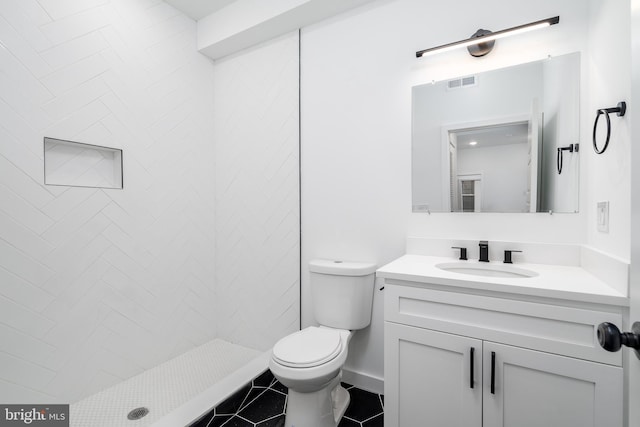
(484, 251)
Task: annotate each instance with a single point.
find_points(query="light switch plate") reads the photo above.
(603, 217)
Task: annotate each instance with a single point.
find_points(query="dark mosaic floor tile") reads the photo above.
(203, 421)
(345, 422)
(233, 403)
(238, 422)
(264, 380)
(277, 385)
(251, 396)
(220, 420)
(364, 405)
(255, 405)
(266, 406)
(274, 422)
(374, 422)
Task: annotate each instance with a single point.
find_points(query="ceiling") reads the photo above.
(489, 136)
(197, 9)
(228, 26)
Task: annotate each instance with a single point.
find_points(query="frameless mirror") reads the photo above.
(501, 141)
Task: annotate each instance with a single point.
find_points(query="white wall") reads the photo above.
(98, 285)
(609, 174)
(257, 207)
(357, 73)
(354, 154)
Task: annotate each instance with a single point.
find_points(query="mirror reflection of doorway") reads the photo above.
(502, 159)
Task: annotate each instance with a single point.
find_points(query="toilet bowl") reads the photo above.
(309, 363)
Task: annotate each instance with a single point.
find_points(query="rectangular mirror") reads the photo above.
(500, 141)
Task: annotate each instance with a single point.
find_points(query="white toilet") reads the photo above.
(309, 362)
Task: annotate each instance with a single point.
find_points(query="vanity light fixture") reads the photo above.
(482, 41)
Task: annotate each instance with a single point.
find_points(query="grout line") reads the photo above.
(244, 406)
(370, 418)
(210, 421)
(351, 419)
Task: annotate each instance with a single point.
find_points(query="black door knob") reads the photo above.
(611, 339)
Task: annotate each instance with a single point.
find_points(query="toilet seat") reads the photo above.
(307, 348)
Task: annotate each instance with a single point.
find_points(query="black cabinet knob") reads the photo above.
(611, 339)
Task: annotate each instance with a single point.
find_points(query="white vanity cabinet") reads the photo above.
(445, 349)
(427, 378)
(534, 388)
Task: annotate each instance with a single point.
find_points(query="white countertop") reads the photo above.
(552, 281)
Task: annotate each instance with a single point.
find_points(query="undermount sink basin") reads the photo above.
(487, 270)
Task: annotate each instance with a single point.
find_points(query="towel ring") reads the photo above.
(570, 148)
(621, 109)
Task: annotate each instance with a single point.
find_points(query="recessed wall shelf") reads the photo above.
(77, 164)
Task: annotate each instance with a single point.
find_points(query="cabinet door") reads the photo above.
(428, 378)
(533, 389)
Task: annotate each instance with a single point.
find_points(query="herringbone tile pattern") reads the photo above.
(99, 285)
(257, 193)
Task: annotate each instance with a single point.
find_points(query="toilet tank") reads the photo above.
(342, 293)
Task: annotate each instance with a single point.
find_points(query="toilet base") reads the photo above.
(341, 399)
(322, 408)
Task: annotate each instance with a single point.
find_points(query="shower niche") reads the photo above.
(77, 164)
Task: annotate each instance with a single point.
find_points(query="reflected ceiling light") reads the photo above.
(482, 41)
(473, 142)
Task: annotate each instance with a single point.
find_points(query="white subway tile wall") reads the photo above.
(98, 285)
(256, 130)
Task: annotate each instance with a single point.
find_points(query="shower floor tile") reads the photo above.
(163, 388)
(263, 402)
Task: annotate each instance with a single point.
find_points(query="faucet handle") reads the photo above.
(507, 256)
(463, 252)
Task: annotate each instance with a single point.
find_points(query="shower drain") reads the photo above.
(137, 413)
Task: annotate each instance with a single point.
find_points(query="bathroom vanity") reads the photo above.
(493, 344)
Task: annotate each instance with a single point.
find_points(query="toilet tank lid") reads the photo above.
(342, 268)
